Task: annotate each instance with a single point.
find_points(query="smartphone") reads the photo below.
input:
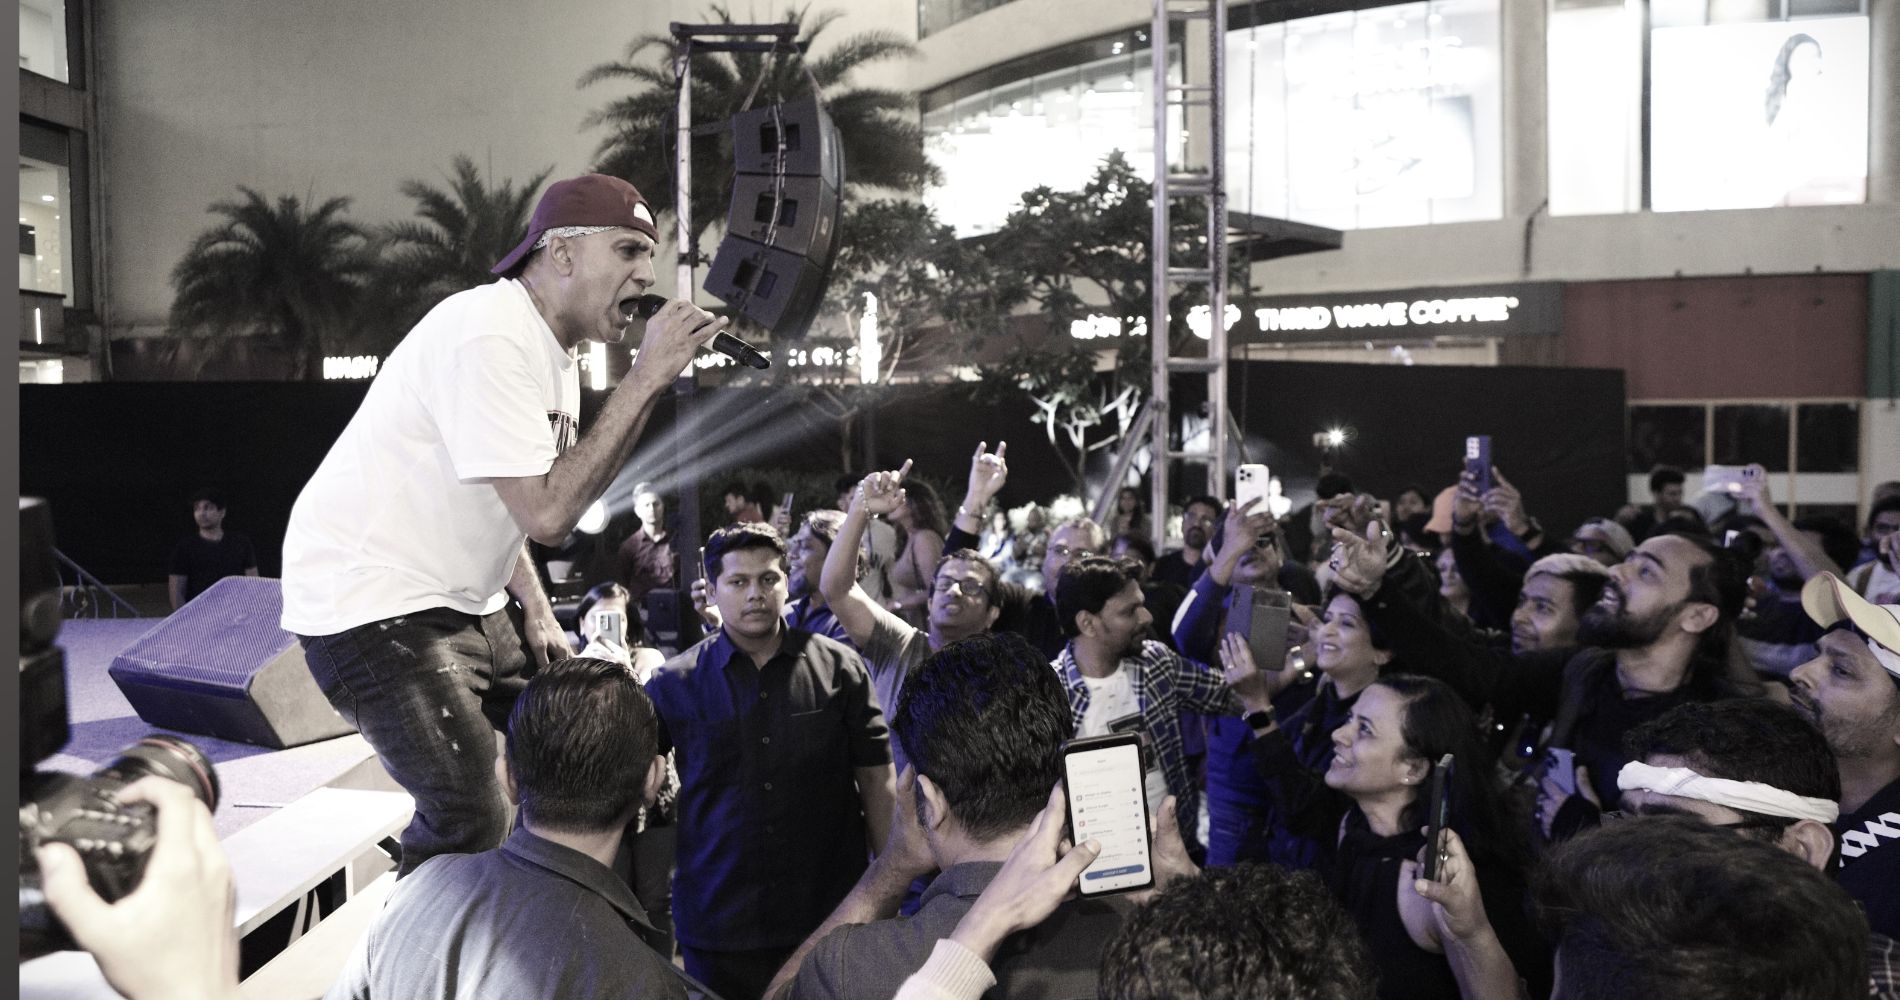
(1725, 479)
(1561, 766)
(1250, 483)
(785, 503)
(610, 626)
(1262, 616)
(1108, 802)
(1440, 816)
(1478, 460)
(703, 575)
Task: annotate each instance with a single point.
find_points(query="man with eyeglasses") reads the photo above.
(1603, 540)
(963, 597)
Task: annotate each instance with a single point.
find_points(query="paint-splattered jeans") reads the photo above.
(428, 690)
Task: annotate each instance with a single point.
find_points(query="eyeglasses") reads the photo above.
(966, 588)
(1066, 552)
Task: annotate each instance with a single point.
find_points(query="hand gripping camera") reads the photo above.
(114, 840)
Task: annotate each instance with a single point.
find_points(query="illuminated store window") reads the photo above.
(1390, 116)
(1053, 129)
(1749, 112)
(45, 229)
(43, 38)
(1595, 106)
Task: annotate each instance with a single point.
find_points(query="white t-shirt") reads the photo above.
(401, 516)
(1112, 699)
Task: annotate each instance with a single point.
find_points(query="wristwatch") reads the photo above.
(1259, 719)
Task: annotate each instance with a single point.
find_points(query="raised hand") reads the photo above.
(1505, 502)
(882, 492)
(988, 473)
(1358, 563)
(1254, 687)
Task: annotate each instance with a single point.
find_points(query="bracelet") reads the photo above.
(961, 512)
(1259, 718)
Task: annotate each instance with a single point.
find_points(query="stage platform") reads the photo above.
(300, 826)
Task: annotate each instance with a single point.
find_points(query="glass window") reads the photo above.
(935, 15)
(1052, 129)
(1595, 107)
(1753, 433)
(45, 229)
(43, 38)
(1383, 117)
(1757, 113)
(1667, 435)
(1827, 437)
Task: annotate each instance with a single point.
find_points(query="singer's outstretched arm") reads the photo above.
(549, 505)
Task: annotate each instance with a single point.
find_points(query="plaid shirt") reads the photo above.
(1166, 685)
(1883, 967)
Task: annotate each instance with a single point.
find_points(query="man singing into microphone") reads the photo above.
(405, 545)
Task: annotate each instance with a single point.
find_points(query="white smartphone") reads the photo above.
(1251, 483)
(610, 626)
(1723, 479)
(1108, 802)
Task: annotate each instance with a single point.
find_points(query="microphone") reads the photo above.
(648, 306)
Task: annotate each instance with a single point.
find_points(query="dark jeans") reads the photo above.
(735, 975)
(428, 690)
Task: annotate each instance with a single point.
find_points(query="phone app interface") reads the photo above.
(1105, 799)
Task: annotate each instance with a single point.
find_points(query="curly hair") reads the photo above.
(1253, 930)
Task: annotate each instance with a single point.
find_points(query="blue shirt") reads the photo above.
(771, 825)
(806, 615)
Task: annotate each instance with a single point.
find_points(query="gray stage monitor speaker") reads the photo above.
(222, 666)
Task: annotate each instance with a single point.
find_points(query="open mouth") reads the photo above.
(1612, 598)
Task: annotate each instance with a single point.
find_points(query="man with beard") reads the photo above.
(1656, 638)
(785, 771)
(1184, 565)
(1851, 691)
(1118, 681)
(963, 597)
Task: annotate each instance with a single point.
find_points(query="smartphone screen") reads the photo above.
(1478, 460)
(1108, 803)
(1440, 816)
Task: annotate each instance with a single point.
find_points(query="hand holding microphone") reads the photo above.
(649, 306)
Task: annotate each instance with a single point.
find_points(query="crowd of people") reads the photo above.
(1673, 735)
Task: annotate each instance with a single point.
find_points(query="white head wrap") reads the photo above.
(1748, 796)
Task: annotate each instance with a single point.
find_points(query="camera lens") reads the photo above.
(173, 758)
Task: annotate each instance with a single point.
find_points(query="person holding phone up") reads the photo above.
(1369, 811)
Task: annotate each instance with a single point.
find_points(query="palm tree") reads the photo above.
(278, 270)
(883, 142)
(461, 233)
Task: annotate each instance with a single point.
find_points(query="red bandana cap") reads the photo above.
(590, 200)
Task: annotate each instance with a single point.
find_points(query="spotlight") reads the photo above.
(594, 521)
(1336, 436)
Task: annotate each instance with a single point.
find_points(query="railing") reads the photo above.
(86, 596)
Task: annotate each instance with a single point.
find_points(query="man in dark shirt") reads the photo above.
(810, 609)
(1077, 538)
(647, 561)
(211, 554)
(1852, 692)
(543, 915)
(983, 721)
(784, 764)
(1184, 565)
